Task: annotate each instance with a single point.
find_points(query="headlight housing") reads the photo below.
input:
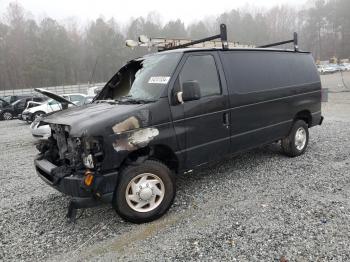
(92, 152)
(88, 161)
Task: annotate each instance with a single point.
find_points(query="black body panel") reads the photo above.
(267, 90)
(200, 124)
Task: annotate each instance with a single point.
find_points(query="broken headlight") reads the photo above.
(92, 152)
(88, 161)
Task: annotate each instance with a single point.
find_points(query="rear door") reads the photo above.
(202, 126)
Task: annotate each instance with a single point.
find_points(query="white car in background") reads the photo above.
(326, 69)
(54, 104)
(345, 66)
(94, 90)
(42, 131)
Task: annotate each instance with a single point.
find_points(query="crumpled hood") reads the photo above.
(93, 119)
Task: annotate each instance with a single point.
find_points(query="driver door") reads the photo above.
(202, 126)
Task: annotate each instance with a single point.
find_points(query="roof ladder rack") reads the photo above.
(215, 41)
(294, 41)
(222, 36)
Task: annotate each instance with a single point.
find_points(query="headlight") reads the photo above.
(88, 161)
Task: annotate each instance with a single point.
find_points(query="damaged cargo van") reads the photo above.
(173, 111)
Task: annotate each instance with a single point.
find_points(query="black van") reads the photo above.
(171, 112)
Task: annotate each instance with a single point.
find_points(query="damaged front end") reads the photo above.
(72, 165)
(90, 144)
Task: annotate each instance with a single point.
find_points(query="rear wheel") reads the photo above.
(296, 142)
(144, 192)
(7, 115)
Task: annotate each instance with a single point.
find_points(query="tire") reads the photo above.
(37, 114)
(129, 184)
(7, 116)
(295, 146)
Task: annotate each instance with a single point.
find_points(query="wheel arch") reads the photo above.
(304, 115)
(40, 111)
(160, 152)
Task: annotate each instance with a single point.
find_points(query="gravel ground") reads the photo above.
(256, 206)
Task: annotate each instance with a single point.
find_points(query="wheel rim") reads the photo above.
(38, 115)
(7, 116)
(300, 138)
(145, 192)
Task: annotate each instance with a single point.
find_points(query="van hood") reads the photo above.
(98, 118)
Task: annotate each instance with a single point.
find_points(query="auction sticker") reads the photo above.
(159, 80)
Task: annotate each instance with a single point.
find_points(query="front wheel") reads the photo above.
(296, 142)
(7, 115)
(145, 192)
(37, 114)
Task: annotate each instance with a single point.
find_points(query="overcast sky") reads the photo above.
(186, 10)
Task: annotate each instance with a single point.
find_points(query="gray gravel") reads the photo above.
(256, 206)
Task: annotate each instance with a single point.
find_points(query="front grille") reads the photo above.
(60, 135)
(68, 147)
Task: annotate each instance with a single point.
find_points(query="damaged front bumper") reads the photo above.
(73, 185)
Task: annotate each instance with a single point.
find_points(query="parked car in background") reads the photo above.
(13, 110)
(94, 90)
(14, 98)
(3, 103)
(52, 105)
(345, 66)
(31, 104)
(42, 131)
(336, 67)
(326, 69)
(88, 99)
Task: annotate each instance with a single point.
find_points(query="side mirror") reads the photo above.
(190, 92)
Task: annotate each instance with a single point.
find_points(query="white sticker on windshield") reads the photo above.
(159, 80)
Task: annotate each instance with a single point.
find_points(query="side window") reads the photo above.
(79, 100)
(38, 99)
(52, 102)
(21, 103)
(202, 68)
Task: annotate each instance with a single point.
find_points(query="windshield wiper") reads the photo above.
(109, 101)
(132, 100)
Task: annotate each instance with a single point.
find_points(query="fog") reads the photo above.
(122, 11)
(46, 43)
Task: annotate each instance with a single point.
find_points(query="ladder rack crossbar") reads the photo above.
(215, 41)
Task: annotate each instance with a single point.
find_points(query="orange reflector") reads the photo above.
(89, 178)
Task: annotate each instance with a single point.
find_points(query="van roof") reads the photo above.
(195, 49)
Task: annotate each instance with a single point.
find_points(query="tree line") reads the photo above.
(47, 52)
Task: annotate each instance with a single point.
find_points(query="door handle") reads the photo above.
(226, 119)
